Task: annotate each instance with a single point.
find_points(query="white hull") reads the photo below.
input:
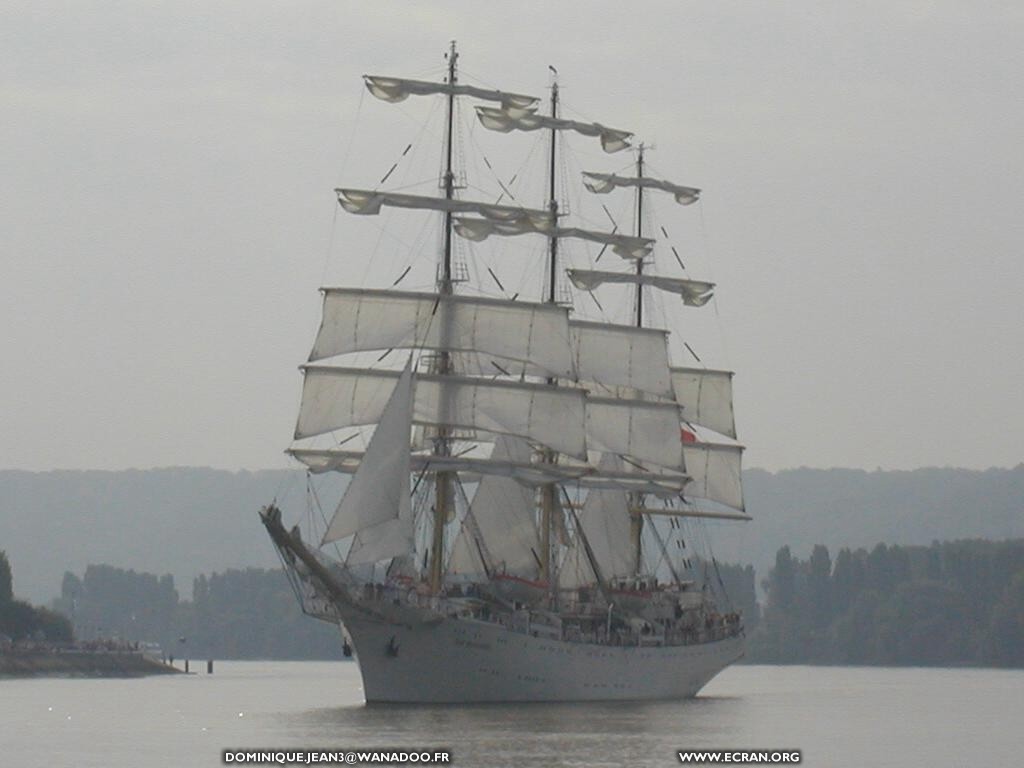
(457, 660)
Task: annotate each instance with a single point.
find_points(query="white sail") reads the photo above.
(379, 491)
(695, 293)
(626, 246)
(333, 398)
(395, 89)
(715, 472)
(368, 202)
(499, 120)
(657, 481)
(389, 539)
(645, 430)
(606, 182)
(504, 514)
(360, 319)
(605, 522)
(621, 356)
(706, 398)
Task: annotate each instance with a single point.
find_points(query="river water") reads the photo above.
(837, 716)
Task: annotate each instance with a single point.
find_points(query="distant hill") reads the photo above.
(853, 508)
(182, 521)
(188, 521)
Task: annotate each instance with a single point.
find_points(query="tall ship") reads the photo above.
(527, 478)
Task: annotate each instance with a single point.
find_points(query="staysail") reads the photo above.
(376, 504)
(503, 514)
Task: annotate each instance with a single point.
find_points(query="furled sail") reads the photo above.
(368, 202)
(646, 430)
(356, 319)
(395, 89)
(503, 512)
(695, 293)
(376, 504)
(621, 356)
(333, 398)
(606, 182)
(706, 397)
(626, 246)
(714, 469)
(499, 120)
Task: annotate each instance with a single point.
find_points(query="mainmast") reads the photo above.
(549, 491)
(636, 520)
(442, 443)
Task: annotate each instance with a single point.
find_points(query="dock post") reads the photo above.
(209, 666)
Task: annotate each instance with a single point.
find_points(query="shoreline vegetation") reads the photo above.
(951, 604)
(36, 642)
(957, 603)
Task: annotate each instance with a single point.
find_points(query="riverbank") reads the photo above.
(73, 663)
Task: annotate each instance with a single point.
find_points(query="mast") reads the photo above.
(442, 443)
(549, 492)
(636, 520)
(552, 195)
(639, 233)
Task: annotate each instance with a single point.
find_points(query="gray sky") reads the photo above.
(167, 215)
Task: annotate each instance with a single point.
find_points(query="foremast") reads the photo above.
(549, 491)
(636, 520)
(443, 496)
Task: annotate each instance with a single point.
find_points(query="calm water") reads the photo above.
(837, 716)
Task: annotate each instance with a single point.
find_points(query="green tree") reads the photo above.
(1006, 628)
(924, 622)
(819, 587)
(782, 593)
(847, 580)
(6, 580)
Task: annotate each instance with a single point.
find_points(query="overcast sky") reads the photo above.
(167, 216)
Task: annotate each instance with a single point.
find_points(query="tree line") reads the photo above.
(951, 603)
(237, 614)
(20, 621)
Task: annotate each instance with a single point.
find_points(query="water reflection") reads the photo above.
(617, 733)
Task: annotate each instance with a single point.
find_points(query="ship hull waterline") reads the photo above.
(459, 660)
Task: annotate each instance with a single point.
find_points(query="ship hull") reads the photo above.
(457, 660)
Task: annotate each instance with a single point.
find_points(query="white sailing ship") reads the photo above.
(510, 531)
